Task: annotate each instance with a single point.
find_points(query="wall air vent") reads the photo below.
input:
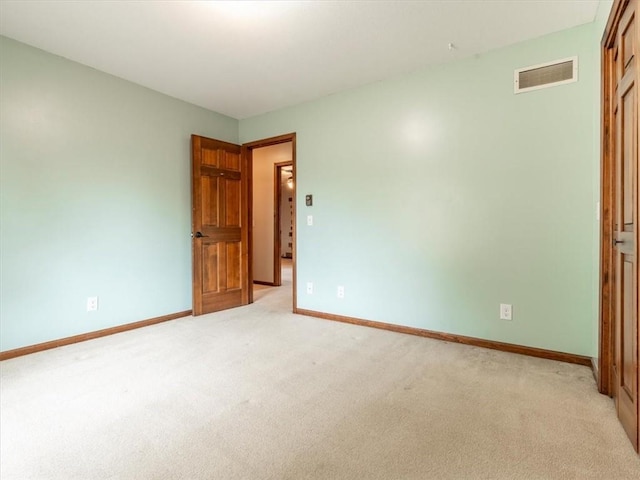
(546, 75)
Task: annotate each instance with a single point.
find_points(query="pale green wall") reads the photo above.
(95, 197)
(440, 195)
(437, 196)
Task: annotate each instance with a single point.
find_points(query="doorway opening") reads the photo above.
(272, 209)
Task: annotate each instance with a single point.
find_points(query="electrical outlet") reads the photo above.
(309, 288)
(506, 311)
(340, 291)
(92, 304)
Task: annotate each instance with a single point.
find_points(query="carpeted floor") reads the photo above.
(258, 393)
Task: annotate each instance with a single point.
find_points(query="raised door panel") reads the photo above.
(232, 161)
(210, 262)
(234, 264)
(233, 203)
(211, 157)
(627, 150)
(629, 352)
(628, 41)
(210, 193)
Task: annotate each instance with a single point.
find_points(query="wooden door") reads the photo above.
(219, 190)
(625, 143)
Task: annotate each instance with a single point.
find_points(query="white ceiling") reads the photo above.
(247, 58)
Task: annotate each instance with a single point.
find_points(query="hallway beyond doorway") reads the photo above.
(281, 296)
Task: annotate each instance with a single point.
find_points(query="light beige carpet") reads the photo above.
(256, 393)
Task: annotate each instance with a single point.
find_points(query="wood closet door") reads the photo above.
(219, 225)
(625, 133)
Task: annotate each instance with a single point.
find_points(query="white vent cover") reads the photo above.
(546, 75)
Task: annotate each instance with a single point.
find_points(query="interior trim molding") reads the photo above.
(449, 337)
(270, 284)
(39, 347)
